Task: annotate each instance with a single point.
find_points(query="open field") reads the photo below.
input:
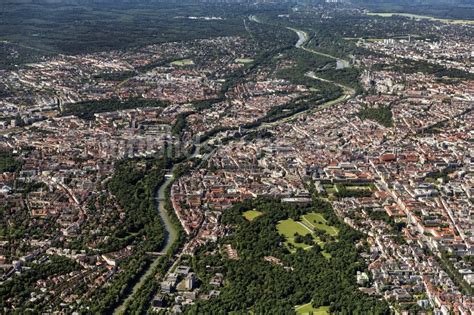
(375, 40)
(251, 215)
(289, 227)
(183, 62)
(309, 309)
(415, 16)
(359, 187)
(317, 221)
(244, 60)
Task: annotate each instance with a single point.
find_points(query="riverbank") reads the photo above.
(170, 237)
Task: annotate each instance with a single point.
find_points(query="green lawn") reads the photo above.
(289, 227)
(309, 309)
(251, 215)
(364, 188)
(374, 40)
(8, 162)
(317, 221)
(183, 62)
(309, 223)
(329, 188)
(244, 60)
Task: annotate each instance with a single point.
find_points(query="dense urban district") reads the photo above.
(278, 158)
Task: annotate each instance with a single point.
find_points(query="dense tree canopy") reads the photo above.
(251, 283)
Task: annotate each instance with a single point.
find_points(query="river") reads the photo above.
(302, 37)
(171, 231)
(170, 237)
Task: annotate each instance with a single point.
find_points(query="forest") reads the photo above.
(134, 185)
(36, 29)
(382, 114)
(253, 284)
(305, 61)
(18, 289)
(9, 162)
(71, 29)
(454, 9)
(343, 192)
(412, 66)
(142, 299)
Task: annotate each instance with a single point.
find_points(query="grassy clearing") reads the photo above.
(244, 60)
(251, 215)
(364, 188)
(8, 163)
(183, 62)
(375, 40)
(289, 227)
(317, 221)
(415, 16)
(309, 309)
(382, 115)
